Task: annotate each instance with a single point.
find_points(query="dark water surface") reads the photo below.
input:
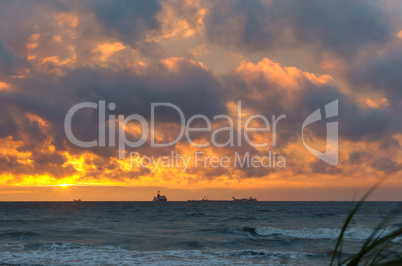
(181, 232)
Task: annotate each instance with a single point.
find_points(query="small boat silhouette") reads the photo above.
(205, 198)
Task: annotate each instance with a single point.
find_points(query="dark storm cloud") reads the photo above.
(355, 123)
(321, 167)
(127, 19)
(241, 23)
(19, 19)
(44, 164)
(386, 165)
(380, 72)
(377, 162)
(8, 127)
(340, 27)
(389, 143)
(189, 86)
(19, 104)
(359, 157)
(9, 61)
(14, 123)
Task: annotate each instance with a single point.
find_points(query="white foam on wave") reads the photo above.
(321, 233)
(73, 254)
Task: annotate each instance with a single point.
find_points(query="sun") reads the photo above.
(64, 185)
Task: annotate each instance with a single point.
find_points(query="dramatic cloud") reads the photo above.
(181, 82)
(278, 57)
(381, 73)
(340, 27)
(269, 88)
(127, 20)
(9, 62)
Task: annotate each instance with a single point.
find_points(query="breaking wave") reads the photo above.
(68, 253)
(320, 233)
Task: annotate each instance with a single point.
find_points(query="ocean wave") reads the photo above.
(18, 234)
(67, 253)
(82, 231)
(195, 214)
(320, 233)
(324, 214)
(12, 221)
(193, 244)
(265, 210)
(243, 218)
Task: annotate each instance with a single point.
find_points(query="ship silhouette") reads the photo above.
(159, 197)
(245, 199)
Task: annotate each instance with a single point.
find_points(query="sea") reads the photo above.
(183, 233)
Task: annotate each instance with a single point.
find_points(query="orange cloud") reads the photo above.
(4, 86)
(285, 77)
(383, 102)
(108, 49)
(173, 62)
(177, 24)
(67, 19)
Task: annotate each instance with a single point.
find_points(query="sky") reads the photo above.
(218, 61)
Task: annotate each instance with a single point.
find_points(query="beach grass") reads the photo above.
(379, 248)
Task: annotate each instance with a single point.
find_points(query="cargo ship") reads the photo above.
(245, 199)
(159, 197)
